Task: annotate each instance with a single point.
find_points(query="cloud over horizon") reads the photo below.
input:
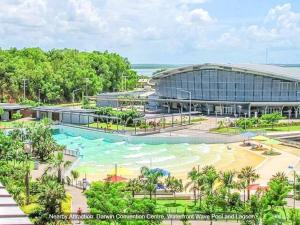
(154, 31)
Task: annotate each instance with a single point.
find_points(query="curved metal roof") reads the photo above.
(279, 72)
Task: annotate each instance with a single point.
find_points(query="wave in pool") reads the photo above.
(156, 160)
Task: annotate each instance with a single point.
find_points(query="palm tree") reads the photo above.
(134, 185)
(280, 176)
(75, 176)
(193, 176)
(248, 175)
(150, 179)
(51, 194)
(175, 185)
(210, 176)
(227, 179)
(57, 163)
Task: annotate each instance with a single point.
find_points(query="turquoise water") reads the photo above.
(100, 154)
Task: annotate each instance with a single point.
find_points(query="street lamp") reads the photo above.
(245, 119)
(190, 97)
(292, 168)
(73, 95)
(24, 87)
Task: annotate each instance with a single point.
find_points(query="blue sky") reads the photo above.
(159, 31)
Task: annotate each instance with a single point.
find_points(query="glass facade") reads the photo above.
(223, 85)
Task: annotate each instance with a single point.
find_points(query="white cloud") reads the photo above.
(196, 17)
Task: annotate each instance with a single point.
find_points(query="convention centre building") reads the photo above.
(228, 89)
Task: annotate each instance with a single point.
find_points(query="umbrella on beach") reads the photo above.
(118, 170)
(115, 178)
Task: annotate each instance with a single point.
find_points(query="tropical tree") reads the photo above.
(210, 176)
(280, 176)
(248, 176)
(227, 179)
(271, 119)
(276, 195)
(50, 197)
(150, 178)
(58, 164)
(174, 185)
(192, 184)
(135, 185)
(75, 175)
(43, 144)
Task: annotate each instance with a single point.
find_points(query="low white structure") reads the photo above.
(65, 114)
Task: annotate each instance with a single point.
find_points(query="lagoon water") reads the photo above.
(100, 154)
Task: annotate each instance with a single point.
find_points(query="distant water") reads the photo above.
(149, 69)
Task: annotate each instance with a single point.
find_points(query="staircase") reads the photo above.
(10, 213)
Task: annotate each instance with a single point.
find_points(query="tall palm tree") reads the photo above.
(193, 176)
(58, 164)
(75, 176)
(210, 176)
(248, 175)
(175, 185)
(227, 179)
(151, 179)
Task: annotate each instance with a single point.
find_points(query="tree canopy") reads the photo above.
(55, 74)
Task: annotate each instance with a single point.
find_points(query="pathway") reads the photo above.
(275, 164)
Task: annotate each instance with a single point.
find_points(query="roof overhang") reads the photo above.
(274, 71)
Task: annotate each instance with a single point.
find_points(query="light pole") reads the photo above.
(240, 109)
(24, 88)
(245, 120)
(124, 77)
(292, 168)
(73, 95)
(190, 98)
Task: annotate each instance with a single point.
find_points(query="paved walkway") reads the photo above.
(274, 164)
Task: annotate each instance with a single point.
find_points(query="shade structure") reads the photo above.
(115, 179)
(164, 172)
(248, 134)
(119, 170)
(260, 138)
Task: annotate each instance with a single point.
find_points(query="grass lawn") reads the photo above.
(232, 130)
(179, 207)
(110, 127)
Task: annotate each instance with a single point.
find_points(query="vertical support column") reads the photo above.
(249, 111)
(172, 120)
(181, 118)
